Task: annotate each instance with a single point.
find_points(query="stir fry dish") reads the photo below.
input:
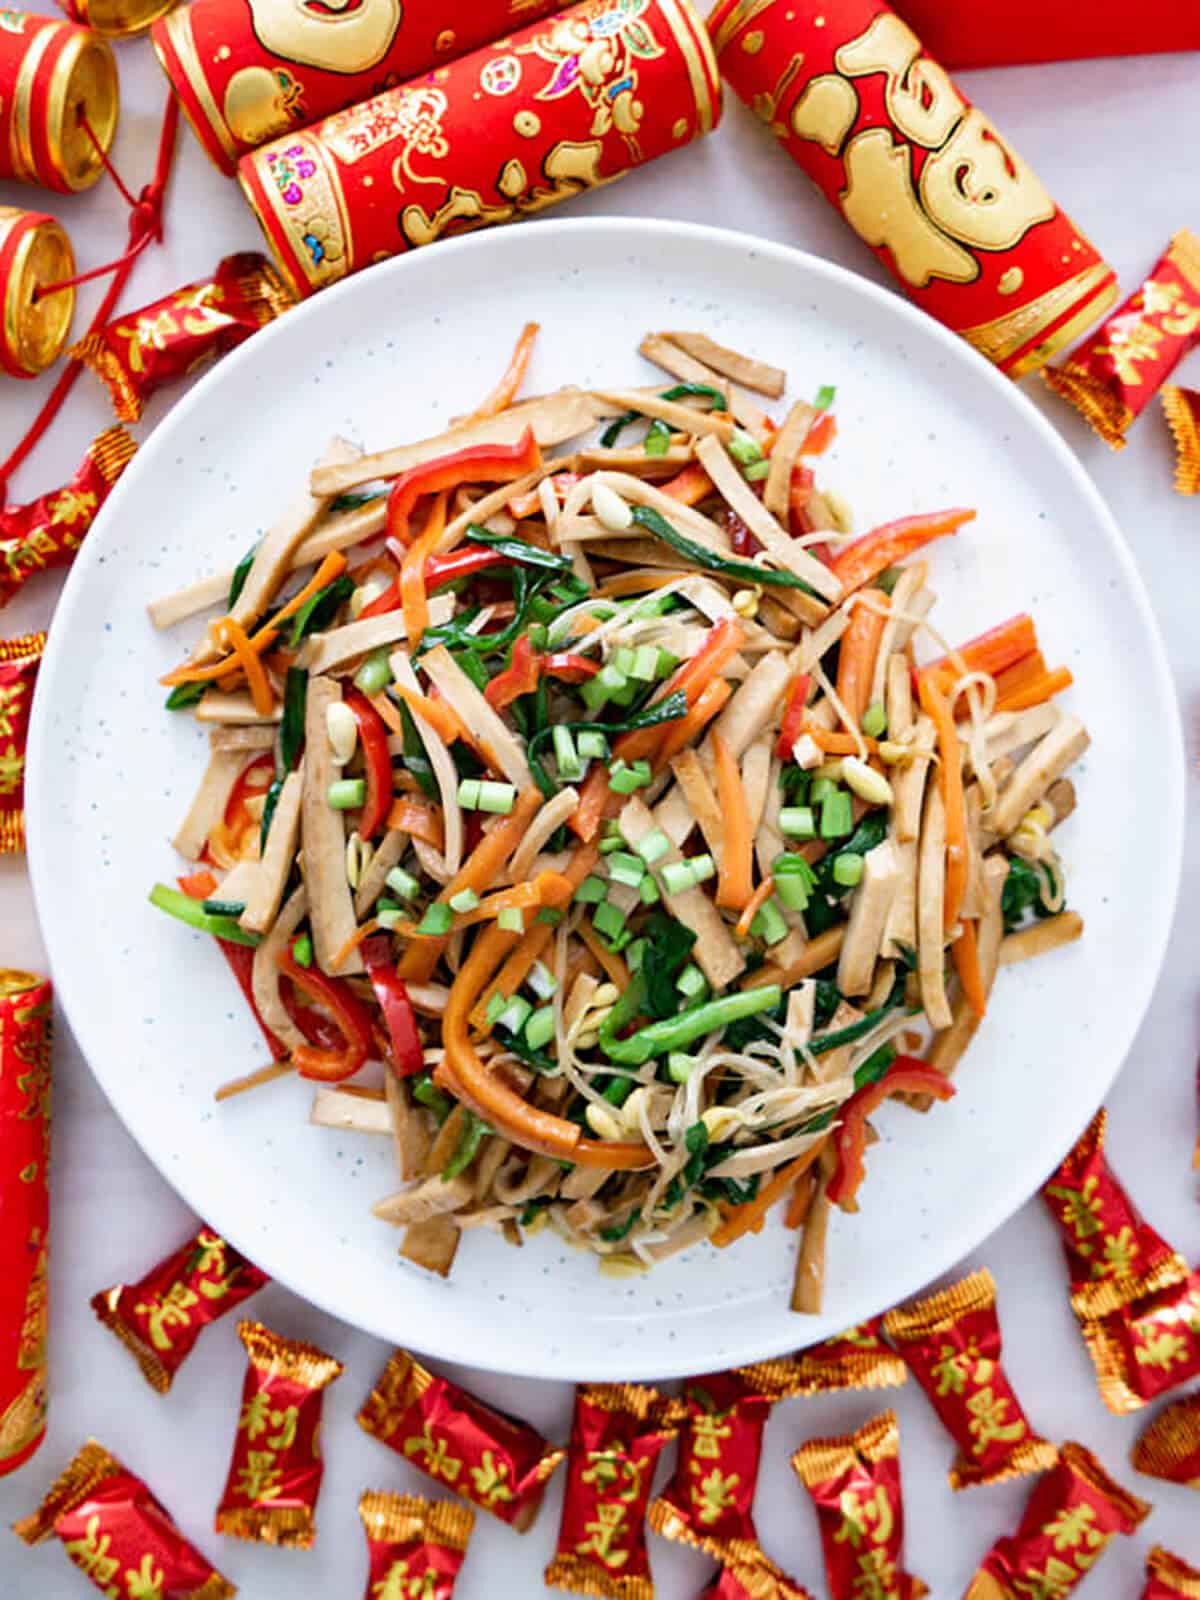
(590, 812)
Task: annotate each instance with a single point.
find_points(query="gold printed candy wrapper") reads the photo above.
(856, 1359)
(1182, 408)
(415, 1546)
(19, 663)
(1169, 1447)
(1169, 1578)
(1147, 1348)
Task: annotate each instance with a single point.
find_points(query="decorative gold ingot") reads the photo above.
(118, 19)
(84, 85)
(13, 981)
(34, 251)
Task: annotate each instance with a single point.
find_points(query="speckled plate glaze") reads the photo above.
(923, 422)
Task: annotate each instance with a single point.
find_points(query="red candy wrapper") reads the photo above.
(160, 1317)
(25, 1022)
(19, 663)
(1117, 371)
(1114, 1255)
(246, 73)
(1148, 1348)
(920, 174)
(1169, 1578)
(1170, 1446)
(415, 1546)
(617, 1435)
(757, 1580)
(855, 1485)
(116, 1532)
(275, 1474)
(1182, 407)
(709, 1500)
(47, 532)
(856, 1359)
(499, 1464)
(556, 109)
(172, 338)
(951, 1340)
(1069, 1519)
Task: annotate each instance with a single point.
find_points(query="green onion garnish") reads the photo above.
(347, 794)
(437, 921)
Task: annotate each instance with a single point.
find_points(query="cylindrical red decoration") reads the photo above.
(116, 18)
(1169, 1578)
(415, 1546)
(247, 71)
(54, 76)
(518, 126)
(1005, 33)
(34, 251)
(965, 226)
(24, 1209)
(19, 663)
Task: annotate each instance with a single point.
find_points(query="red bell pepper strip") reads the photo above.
(520, 677)
(408, 1055)
(820, 436)
(347, 1011)
(857, 563)
(906, 1075)
(377, 759)
(464, 562)
(478, 463)
(236, 815)
(570, 667)
(793, 716)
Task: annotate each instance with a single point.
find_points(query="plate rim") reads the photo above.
(953, 1244)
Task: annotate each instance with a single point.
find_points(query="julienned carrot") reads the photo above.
(965, 951)
(801, 1199)
(1033, 694)
(721, 644)
(1026, 671)
(547, 889)
(754, 905)
(936, 706)
(741, 1219)
(858, 650)
(735, 880)
(839, 744)
(611, 963)
(867, 557)
(418, 820)
(355, 939)
(413, 599)
(1000, 647)
(530, 503)
(442, 718)
(637, 583)
(259, 684)
(505, 392)
(690, 486)
(678, 735)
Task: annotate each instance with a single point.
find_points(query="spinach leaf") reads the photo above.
(318, 611)
(240, 573)
(701, 556)
(1023, 890)
(414, 757)
(519, 550)
(291, 729)
(668, 946)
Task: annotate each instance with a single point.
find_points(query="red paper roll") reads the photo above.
(1003, 33)
(510, 130)
(247, 71)
(24, 1212)
(919, 173)
(50, 73)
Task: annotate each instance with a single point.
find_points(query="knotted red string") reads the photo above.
(145, 226)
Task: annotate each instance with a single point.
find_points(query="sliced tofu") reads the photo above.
(323, 839)
(931, 888)
(908, 781)
(1048, 760)
(208, 806)
(263, 901)
(869, 911)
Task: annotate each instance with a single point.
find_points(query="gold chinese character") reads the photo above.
(1054, 1582)
(708, 1430)
(1120, 1252)
(1080, 1210)
(714, 1494)
(876, 1576)
(171, 1311)
(144, 1582)
(609, 1526)
(1160, 1348)
(1074, 1525)
(434, 1454)
(70, 506)
(865, 1517)
(284, 1422)
(260, 1478)
(490, 1480)
(609, 1467)
(921, 100)
(256, 1415)
(987, 1420)
(1131, 340)
(980, 191)
(403, 1584)
(882, 207)
(90, 1555)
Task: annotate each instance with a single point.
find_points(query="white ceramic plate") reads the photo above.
(923, 423)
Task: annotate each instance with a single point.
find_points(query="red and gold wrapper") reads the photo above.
(48, 531)
(1169, 1578)
(498, 1463)
(618, 1432)
(1005, 33)
(1070, 1517)
(709, 1501)
(1148, 1348)
(856, 1359)
(25, 1023)
(50, 72)
(415, 1546)
(1113, 1254)
(115, 18)
(120, 1535)
(19, 663)
(248, 72)
(1182, 408)
(275, 1474)
(854, 1482)
(1117, 371)
(160, 1317)
(921, 175)
(951, 1340)
(34, 252)
(558, 108)
(1169, 1447)
(142, 351)
(760, 1579)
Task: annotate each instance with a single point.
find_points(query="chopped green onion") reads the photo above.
(794, 879)
(468, 794)
(691, 982)
(182, 906)
(302, 951)
(676, 1033)
(667, 662)
(591, 891)
(550, 915)
(681, 1066)
(495, 1006)
(874, 722)
(388, 916)
(769, 924)
(744, 447)
(591, 745)
(511, 920)
(515, 1014)
(658, 438)
(539, 1030)
(623, 660)
(627, 778)
(609, 846)
(645, 663)
(438, 919)
(184, 695)
(240, 573)
(570, 767)
(636, 953)
(464, 900)
(694, 391)
(756, 471)
(649, 891)
(709, 561)
(653, 846)
(375, 674)
(608, 920)
(497, 797)
(820, 788)
(598, 691)
(826, 395)
(542, 981)
(426, 1093)
(626, 868)
(847, 869)
(538, 635)
(703, 867)
(837, 820)
(224, 908)
(677, 877)
(403, 883)
(475, 1131)
(347, 794)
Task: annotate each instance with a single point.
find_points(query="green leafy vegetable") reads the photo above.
(291, 729)
(320, 609)
(352, 500)
(240, 573)
(617, 427)
(694, 391)
(617, 1231)
(414, 757)
(1024, 889)
(519, 550)
(647, 517)
(185, 695)
(475, 1130)
(668, 947)
(668, 709)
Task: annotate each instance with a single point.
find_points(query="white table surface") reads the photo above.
(1115, 142)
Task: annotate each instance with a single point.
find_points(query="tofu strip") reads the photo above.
(758, 375)
(897, 695)
(328, 650)
(1007, 731)
(482, 720)
(371, 885)
(323, 835)
(262, 905)
(208, 807)
(784, 454)
(869, 912)
(715, 952)
(701, 801)
(745, 411)
(909, 596)
(752, 708)
(901, 931)
(908, 781)
(234, 709)
(931, 884)
(949, 1045)
(683, 419)
(1048, 760)
(756, 774)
